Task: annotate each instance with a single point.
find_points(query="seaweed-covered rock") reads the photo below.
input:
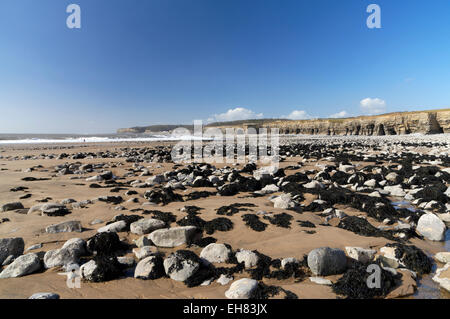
(101, 268)
(411, 257)
(181, 265)
(353, 284)
(362, 227)
(326, 261)
(104, 243)
(280, 220)
(149, 268)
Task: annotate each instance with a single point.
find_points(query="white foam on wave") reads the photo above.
(95, 139)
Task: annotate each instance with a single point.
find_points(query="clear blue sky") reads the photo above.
(138, 62)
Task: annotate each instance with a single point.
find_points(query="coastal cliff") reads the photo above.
(426, 122)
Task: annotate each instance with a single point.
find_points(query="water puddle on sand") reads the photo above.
(426, 287)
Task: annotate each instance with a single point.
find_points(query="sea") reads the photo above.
(96, 138)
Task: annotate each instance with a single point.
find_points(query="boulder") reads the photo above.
(216, 253)
(431, 227)
(21, 266)
(11, 247)
(242, 289)
(173, 237)
(65, 227)
(146, 225)
(115, 227)
(181, 265)
(248, 257)
(11, 206)
(60, 257)
(149, 268)
(326, 261)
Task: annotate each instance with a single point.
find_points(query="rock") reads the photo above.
(431, 227)
(443, 257)
(155, 180)
(442, 277)
(142, 241)
(101, 268)
(87, 269)
(407, 287)
(143, 252)
(370, 183)
(21, 266)
(216, 253)
(283, 201)
(173, 237)
(11, 206)
(393, 177)
(224, 280)
(313, 185)
(44, 295)
(248, 257)
(68, 201)
(320, 281)
(146, 225)
(76, 245)
(326, 261)
(181, 265)
(33, 247)
(268, 189)
(288, 261)
(53, 209)
(149, 268)
(126, 262)
(361, 254)
(65, 227)
(64, 256)
(396, 190)
(11, 247)
(242, 289)
(113, 227)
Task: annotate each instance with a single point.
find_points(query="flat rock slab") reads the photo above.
(65, 227)
(173, 237)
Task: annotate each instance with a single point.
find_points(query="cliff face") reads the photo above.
(427, 122)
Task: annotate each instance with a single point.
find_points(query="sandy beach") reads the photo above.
(275, 241)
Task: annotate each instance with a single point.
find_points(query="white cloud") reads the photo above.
(297, 115)
(339, 115)
(236, 114)
(372, 106)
